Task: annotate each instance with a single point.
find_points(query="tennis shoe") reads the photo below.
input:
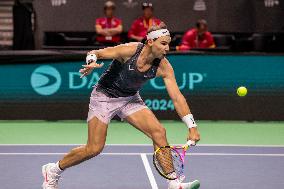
(176, 184)
(50, 177)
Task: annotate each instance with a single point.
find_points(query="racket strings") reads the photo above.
(168, 161)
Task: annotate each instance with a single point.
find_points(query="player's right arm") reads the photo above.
(166, 71)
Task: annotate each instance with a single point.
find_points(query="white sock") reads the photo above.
(173, 175)
(56, 169)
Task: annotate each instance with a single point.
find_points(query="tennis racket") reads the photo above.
(169, 160)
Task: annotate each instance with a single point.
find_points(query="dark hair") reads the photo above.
(201, 22)
(162, 25)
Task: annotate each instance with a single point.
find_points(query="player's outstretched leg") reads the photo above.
(97, 131)
(145, 121)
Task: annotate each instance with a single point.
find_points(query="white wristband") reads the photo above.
(189, 121)
(91, 58)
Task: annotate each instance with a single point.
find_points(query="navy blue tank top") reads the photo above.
(124, 79)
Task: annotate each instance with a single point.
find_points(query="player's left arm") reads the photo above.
(167, 73)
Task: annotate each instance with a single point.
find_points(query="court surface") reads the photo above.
(245, 160)
(128, 167)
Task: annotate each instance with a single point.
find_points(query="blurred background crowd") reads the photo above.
(217, 25)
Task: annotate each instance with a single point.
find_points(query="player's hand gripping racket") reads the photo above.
(169, 160)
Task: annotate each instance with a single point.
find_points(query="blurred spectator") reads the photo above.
(109, 27)
(198, 37)
(140, 26)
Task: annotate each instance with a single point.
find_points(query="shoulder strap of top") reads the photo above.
(139, 48)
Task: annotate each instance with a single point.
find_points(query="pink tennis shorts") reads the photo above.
(105, 108)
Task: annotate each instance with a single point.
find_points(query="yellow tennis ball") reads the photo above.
(242, 91)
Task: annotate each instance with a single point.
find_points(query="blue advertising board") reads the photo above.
(210, 81)
(195, 74)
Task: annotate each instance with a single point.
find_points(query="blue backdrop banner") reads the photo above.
(197, 75)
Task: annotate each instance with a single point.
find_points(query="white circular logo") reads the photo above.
(45, 80)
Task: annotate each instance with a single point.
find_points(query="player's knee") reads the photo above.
(92, 151)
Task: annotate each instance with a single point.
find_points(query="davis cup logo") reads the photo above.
(45, 80)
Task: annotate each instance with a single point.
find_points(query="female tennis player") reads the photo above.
(117, 93)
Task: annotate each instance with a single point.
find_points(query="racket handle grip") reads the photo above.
(191, 143)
